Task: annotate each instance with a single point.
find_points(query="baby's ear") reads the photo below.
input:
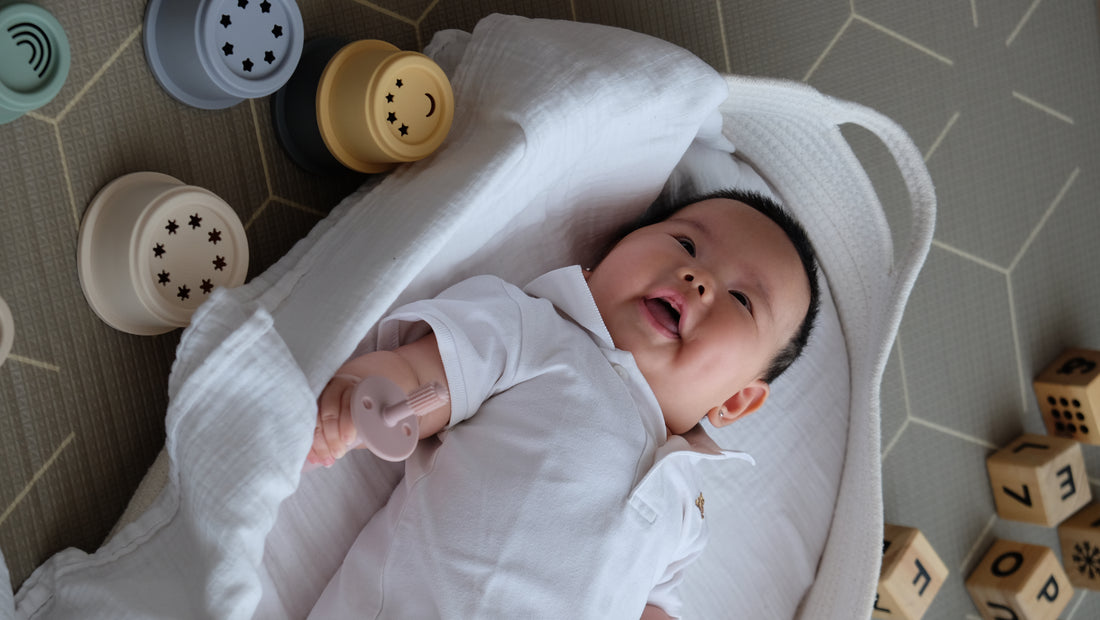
(745, 401)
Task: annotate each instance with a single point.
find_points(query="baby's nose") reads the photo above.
(691, 278)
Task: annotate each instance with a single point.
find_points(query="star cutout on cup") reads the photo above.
(247, 65)
(227, 49)
(219, 263)
(225, 21)
(214, 236)
(265, 6)
(196, 221)
(172, 227)
(158, 250)
(269, 57)
(206, 287)
(184, 293)
(277, 31)
(404, 129)
(163, 279)
(242, 3)
(392, 118)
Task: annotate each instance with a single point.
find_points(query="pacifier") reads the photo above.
(387, 421)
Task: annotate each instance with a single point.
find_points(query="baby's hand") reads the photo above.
(335, 432)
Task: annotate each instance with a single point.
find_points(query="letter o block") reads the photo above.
(1039, 479)
(911, 574)
(1080, 538)
(1068, 391)
(1017, 581)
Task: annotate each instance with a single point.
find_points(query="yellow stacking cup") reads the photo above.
(378, 106)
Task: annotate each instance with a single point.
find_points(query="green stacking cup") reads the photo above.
(34, 59)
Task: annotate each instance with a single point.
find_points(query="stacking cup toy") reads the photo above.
(378, 106)
(34, 59)
(151, 250)
(294, 111)
(213, 54)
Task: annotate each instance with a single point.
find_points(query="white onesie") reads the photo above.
(559, 498)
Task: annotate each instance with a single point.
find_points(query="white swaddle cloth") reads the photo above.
(563, 131)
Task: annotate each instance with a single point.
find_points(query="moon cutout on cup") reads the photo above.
(431, 100)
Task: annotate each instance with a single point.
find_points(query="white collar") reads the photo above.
(567, 289)
(697, 441)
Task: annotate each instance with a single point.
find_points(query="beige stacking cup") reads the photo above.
(151, 249)
(378, 106)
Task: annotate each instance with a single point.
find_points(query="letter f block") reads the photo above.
(911, 574)
(1039, 479)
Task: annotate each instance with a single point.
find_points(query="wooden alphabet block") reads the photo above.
(911, 574)
(1039, 479)
(1080, 538)
(1068, 391)
(1017, 581)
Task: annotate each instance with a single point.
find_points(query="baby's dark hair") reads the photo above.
(662, 210)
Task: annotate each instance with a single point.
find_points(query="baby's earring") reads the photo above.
(722, 412)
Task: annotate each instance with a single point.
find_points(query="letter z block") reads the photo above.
(1080, 538)
(1039, 479)
(1017, 581)
(911, 574)
(1068, 391)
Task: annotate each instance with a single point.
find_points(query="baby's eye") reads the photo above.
(742, 299)
(687, 244)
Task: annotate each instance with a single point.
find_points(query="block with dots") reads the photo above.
(1068, 393)
(1080, 540)
(1018, 581)
(911, 574)
(1039, 479)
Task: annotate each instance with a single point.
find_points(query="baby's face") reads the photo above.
(704, 301)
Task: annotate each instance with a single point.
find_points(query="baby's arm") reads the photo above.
(410, 366)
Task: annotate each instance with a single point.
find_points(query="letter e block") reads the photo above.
(911, 574)
(1080, 537)
(1017, 581)
(1039, 479)
(1068, 391)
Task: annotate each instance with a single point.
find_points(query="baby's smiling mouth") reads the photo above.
(665, 314)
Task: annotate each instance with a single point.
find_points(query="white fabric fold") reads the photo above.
(194, 553)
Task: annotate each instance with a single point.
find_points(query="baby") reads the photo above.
(572, 492)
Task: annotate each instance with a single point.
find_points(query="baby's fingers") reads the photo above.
(328, 433)
(348, 434)
(319, 453)
(337, 431)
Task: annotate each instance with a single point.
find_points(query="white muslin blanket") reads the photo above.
(563, 131)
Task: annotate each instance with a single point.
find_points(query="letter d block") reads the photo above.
(1017, 581)
(1039, 479)
(911, 574)
(1080, 538)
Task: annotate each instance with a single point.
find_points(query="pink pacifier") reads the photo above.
(386, 420)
